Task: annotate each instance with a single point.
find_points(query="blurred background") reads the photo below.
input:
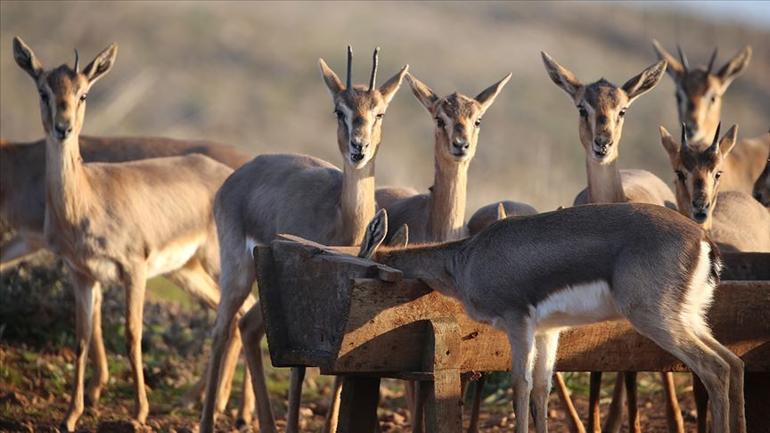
(247, 74)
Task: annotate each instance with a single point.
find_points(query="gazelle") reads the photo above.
(119, 223)
(762, 186)
(602, 108)
(733, 219)
(300, 195)
(22, 185)
(493, 212)
(699, 93)
(528, 277)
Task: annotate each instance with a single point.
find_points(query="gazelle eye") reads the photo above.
(477, 123)
(681, 176)
(43, 96)
(622, 112)
(717, 175)
(83, 97)
(439, 122)
(583, 112)
(338, 113)
(713, 98)
(678, 98)
(380, 115)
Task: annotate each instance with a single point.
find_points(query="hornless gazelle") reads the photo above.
(300, 195)
(733, 219)
(530, 277)
(22, 185)
(602, 107)
(119, 223)
(699, 93)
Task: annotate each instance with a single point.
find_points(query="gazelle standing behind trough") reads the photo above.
(602, 108)
(529, 277)
(119, 223)
(733, 219)
(699, 93)
(300, 195)
(762, 186)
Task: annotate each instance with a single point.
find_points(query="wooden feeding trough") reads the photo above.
(325, 308)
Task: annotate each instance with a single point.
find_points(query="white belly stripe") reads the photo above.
(576, 305)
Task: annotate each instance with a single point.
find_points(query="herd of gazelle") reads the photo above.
(137, 208)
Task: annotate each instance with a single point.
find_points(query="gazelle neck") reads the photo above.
(604, 183)
(357, 203)
(431, 264)
(446, 221)
(67, 187)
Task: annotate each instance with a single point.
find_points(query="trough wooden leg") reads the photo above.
(757, 392)
(444, 405)
(634, 424)
(594, 416)
(358, 408)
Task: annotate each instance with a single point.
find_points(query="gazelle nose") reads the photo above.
(63, 130)
(460, 143)
(690, 130)
(602, 141)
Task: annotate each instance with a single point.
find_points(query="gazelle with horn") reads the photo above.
(119, 223)
(300, 195)
(602, 107)
(699, 94)
(733, 219)
(528, 277)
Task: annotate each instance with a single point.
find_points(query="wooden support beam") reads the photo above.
(358, 408)
(442, 356)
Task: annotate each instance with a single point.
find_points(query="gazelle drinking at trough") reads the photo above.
(119, 223)
(529, 276)
(602, 108)
(699, 93)
(300, 195)
(733, 219)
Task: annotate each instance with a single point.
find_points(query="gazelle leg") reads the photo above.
(521, 338)
(737, 403)
(545, 358)
(634, 424)
(252, 329)
(248, 401)
(673, 412)
(18, 248)
(135, 287)
(594, 415)
(332, 416)
(701, 403)
(473, 426)
(615, 413)
(295, 399)
(84, 304)
(575, 424)
(236, 280)
(679, 340)
(98, 354)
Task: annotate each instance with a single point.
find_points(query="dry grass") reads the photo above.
(246, 73)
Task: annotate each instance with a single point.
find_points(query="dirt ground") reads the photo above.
(36, 369)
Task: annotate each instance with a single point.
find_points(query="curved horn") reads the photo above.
(685, 144)
(714, 144)
(683, 59)
(349, 83)
(77, 61)
(375, 59)
(711, 61)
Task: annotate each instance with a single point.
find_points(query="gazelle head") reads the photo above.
(602, 105)
(63, 90)
(457, 117)
(698, 171)
(699, 90)
(360, 110)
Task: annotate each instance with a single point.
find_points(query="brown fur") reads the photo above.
(762, 186)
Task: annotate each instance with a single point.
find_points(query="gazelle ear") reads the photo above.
(727, 142)
(390, 87)
(735, 66)
(331, 79)
(424, 94)
(674, 68)
(375, 234)
(101, 64)
(488, 95)
(670, 144)
(644, 81)
(26, 59)
(561, 76)
(400, 238)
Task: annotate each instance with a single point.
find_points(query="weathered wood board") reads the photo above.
(330, 310)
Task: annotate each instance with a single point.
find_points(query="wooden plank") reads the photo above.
(358, 406)
(746, 266)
